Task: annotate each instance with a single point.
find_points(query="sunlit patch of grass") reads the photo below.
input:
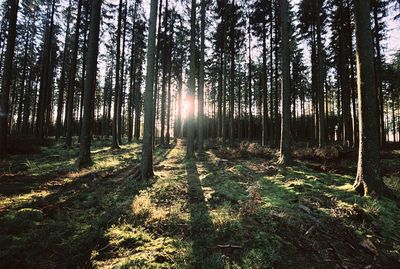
(137, 248)
(16, 201)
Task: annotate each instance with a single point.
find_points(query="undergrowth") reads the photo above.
(219, 210)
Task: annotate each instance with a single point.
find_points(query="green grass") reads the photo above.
(195, 213)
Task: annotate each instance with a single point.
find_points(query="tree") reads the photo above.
(368, 180)
(71, 78)
(192, 84)
(312, 17)
(201, 77)
(43, 110)
(90, 84)
(7, 75)
(147, 148)
(285, 147)
(60, 103)
(117, 97)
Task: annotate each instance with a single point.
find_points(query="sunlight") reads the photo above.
(186, 107)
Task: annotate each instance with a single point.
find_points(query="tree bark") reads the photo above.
(200, 142)
(7, 75)
(71, 80)
(147, 148)
(285, 157)
(368, 180)
(84, 159)
(192, 84)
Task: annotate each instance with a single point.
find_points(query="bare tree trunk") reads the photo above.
(90, 84)
(285, 147)
(7, 75)
(117, 115)
(45, 81)
(368, 180)
(71, 80)
(60, 103)
(200, 142)
(192, 84)
(147, 148)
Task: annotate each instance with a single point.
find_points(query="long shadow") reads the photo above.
(202, 229)
(62, 229)
(292, 236)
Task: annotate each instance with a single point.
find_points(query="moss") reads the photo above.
(192, 214)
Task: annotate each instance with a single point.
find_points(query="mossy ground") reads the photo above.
(218, 210)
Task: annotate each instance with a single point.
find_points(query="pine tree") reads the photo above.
(147, 148)
(84, 158)
(7, 75)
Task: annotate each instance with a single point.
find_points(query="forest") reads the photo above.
(200, 134)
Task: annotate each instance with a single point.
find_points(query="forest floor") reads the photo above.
(227, 208)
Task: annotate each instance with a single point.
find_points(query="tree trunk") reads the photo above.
(164, 76)
(60, 103)
(368, 180)
(285, 147)
(201, 77)
(147, 148)
(264, 132)
(7, 75)
(71, 80)
(122, 84)
(320, 86)
(192, 84)
(84, 159)
(378, 71)
(45, 81)
(116, 121)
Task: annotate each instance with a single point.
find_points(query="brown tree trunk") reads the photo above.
(7, 75)
(90, 84)
(368, 180)
(147, 148)
(285, 146)
(192, 84)
(71, 79)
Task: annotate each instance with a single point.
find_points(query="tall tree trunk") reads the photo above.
(60, 103)
(232, 76)
(264, 132)
(155, 99)
(164, 76)
(23, 83)
(7, 75)
(121, 99)
(320, 86)
(83, 72)
(147, 148)
(368, 180)
(71, 79)
(200, 142)
(169, 65)
(378, 71)
(132, 71)
(285, 146)
(116, 121)
(45, 81)
(90, 83)
(249, 128)
(192, 84)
